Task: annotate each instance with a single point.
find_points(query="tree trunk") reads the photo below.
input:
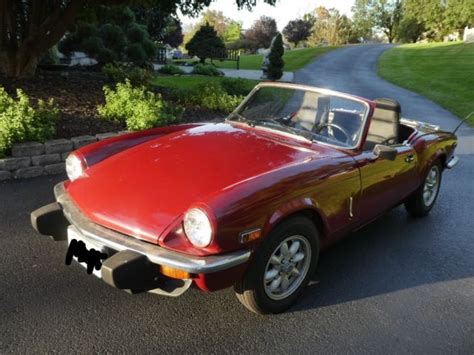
(18, 64)
(27, 32)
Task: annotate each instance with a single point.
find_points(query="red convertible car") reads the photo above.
(248, 202)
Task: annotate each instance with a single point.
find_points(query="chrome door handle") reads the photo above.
(409, 158)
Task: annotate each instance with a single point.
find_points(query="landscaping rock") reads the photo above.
(14, 163)
(58, 146)
(30, 172)
(54, 169)
(46, 159)
(64, 155)
(27, 149)
(5, 175)
(102, 136)
(81, 141)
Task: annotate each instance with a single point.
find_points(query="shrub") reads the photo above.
(119, 73)
(171, 69)
(276, 63)
(20, 122)
(237, 86)
(50, 57)
(211, 96)
(136, 107)
(111, 35)
(206, 69)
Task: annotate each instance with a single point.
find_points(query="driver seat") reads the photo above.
(385, 123)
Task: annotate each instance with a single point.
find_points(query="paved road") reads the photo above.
(399, 285)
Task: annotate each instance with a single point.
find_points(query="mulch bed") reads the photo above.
(78, 92)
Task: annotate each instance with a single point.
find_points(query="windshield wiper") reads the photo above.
(239, 118)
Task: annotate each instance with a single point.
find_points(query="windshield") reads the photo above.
(317, 116)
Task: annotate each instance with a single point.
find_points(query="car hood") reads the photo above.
(142, 190)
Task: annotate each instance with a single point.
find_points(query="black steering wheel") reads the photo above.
(333, 125)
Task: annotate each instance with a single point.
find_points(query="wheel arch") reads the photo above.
(304, 207)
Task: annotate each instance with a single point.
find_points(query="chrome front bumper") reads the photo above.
(95, 234)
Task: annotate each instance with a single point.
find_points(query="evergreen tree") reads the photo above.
(276, 63)
(114, 36)
(206, 44)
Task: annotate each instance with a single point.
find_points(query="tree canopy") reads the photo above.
(382, 14)
(409, 20)
(162, 27)
(262, 31)
(330, 27)
(28, 28)
(227, 29)
(297, 30)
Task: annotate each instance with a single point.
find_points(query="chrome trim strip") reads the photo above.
(452, 162)
(97, 234)
(350, 207)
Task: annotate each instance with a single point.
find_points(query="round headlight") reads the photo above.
(74, 167)
(197, 227)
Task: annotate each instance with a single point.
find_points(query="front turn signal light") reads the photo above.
(174, 273)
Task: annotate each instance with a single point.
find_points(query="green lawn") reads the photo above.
(294, 59)
(443, 72)
(191, 81)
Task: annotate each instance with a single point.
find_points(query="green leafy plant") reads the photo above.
(171, 70)
(111, 35)
(211, 96)
(206, 69)
(119, 73)
(21, 122)
(237, 86)
(136, 107)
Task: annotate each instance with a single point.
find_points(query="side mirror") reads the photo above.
(385, 152)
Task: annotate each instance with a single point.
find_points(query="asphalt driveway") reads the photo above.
(399, 285)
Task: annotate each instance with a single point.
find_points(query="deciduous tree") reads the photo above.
(409, 30)
(262, 31)
(298, 30)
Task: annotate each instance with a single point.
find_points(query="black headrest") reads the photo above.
(388, 104)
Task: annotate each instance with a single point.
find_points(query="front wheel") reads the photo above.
(423, 199)
(282, 268)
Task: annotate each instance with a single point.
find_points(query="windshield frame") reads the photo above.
(316, 90)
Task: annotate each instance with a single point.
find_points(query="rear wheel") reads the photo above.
(282, 267)
(423, 199)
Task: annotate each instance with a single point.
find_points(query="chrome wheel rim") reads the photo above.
(430, 189)
(287, 267)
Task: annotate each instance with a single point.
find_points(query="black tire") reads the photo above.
(250, 290)
(416, 205)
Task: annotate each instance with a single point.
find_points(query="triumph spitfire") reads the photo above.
(248, 202)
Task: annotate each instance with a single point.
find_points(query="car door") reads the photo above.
(385, 183)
